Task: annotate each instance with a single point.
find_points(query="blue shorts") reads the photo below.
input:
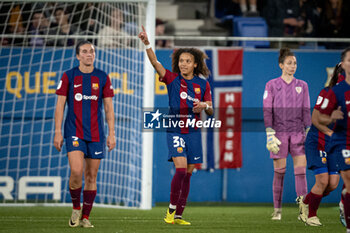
(320, 161)
(342, 157)
(185, 145)
(91, 150)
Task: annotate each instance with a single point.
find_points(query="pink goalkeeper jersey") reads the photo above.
(287, 106)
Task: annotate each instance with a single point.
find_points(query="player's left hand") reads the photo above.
(111, 143)
(307, 131)
(143, 36)
(198, 107)
(58, 141)
(272, 142)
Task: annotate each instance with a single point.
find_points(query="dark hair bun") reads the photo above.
(284, 52)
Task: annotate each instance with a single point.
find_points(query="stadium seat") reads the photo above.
(251, 27)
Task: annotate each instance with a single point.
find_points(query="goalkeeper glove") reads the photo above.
(307, 131)
(272, 142)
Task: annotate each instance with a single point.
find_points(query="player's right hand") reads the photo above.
(58, 141)
(272, 142)
(143, 36)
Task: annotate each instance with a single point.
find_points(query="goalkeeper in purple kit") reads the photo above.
(287, 119)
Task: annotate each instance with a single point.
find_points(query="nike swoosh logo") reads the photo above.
(183, 86)
(347, 102)
(75, 86)
(97, 153)
(196, 158)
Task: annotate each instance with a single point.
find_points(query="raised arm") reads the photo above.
(151, 55)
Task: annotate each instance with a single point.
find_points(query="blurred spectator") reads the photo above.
(39, 26)
(14, 26)
(346, 19)
(252, 8)
(63, 28)
(229, 9)
(310, 11)
(334, 16)
(85, 17)
(283, 17)
(331, 24)
(48, 10)
(160, 31)
(114, 35)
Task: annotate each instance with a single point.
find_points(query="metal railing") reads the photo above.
(312, 42)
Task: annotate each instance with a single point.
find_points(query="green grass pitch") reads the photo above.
(204, 218)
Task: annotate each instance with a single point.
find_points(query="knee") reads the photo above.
(280, 171)
(332, 185)
(76, 173)
(90, 177)
(298, 171)
(323, 182)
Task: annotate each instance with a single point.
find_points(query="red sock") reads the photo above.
(325, 194)
(347, 209)
(176, 184)
(185, 189)
(341, 195)
(314, 203)
(89, 197)
(75, 196)
(307, 199)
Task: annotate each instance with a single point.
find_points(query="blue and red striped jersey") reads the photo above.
(182, 94)
(84, 92)
(314, 133)
(339, 95)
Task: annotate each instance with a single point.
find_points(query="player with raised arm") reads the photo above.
(189, 94)
(335, 108)
(83, 88)
(323, 166)
(287, 119)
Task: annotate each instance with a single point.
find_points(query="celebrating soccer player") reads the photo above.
(189, 94)
(83, 88)
(335, 108)
(287, 119)
(318, 160)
